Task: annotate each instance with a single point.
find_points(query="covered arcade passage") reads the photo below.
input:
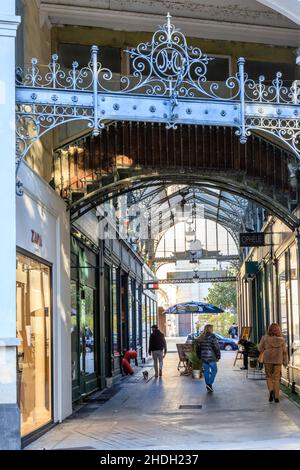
(161, 142)
(124, 167)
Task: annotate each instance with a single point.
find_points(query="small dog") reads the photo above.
(145, 374)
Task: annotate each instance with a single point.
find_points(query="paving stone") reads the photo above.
(146, 415)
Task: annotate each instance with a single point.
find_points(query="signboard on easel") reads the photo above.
(245, 332)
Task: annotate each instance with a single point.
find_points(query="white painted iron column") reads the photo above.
(9, 412)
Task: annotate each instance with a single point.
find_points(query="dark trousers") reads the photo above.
(245, 358)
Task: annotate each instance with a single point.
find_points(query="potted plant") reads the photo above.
(196, 364)
(253, 355)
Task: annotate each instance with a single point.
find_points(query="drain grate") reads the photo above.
(190, 407)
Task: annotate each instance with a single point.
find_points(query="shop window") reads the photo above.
(83, 326)
(34, 353)
(283, 297)
(138, 316)
(148, 313)
(74, 332)
(110, 57)
(144, 326)
(268, 294)
(87, 331)
(130, 316)
(153, 317)
(154, 312)
(133, 314)
(115, 314)
(294, 305)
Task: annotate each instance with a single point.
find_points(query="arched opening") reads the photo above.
(172, 145)
(130, 156)
(89, 202)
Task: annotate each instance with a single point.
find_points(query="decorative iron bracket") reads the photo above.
(168, 84)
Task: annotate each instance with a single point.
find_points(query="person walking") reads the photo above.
(208, 350)
(158, 349)
(233, 331)
(273, 348)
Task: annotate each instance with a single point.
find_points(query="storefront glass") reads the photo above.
(83, 319)
(137, 316)
(144, 326)
(269, 287)
(115, 313)
(154, 316)
(130, 316)
(74, 332)
(87, 331)
(282, 297)
(148, 313)
(34, 353)
(295, 311)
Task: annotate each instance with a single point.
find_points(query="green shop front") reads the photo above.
(84, 317)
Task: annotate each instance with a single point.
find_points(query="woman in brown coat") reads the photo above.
(275, 355)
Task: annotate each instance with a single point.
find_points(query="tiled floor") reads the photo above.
(147, 415)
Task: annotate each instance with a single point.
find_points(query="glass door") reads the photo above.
(34, 355)
(283, 298)
(144, 327)
(108, 319)
(75, 341)
(115, 321)
(295, 308)
(124, 311)
(87, 340)
(130, 311)
(138, 321)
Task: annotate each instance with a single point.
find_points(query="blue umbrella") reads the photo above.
(193, 307)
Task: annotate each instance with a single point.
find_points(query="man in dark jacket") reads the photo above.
(233, 331)
(246, 347)
(158, 348)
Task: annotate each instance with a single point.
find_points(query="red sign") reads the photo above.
(152, 285)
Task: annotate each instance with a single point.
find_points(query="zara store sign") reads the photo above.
(36, 239)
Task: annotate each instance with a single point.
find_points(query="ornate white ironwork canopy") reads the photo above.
(168, 84)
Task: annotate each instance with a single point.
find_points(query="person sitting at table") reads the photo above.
(246, 344)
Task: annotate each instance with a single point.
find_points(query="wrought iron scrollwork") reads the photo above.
(32, 122)
(166, 69)
(167, 66)
(287, 130)
(157, 68)
(276, 93)
(53, 76)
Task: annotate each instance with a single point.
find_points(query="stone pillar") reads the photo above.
(9, 411)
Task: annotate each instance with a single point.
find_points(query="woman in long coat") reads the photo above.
(275, 355)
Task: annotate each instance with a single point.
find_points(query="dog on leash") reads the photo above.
(145, 374)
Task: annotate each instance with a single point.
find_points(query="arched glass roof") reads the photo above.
(172, 203)
(152, 209)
